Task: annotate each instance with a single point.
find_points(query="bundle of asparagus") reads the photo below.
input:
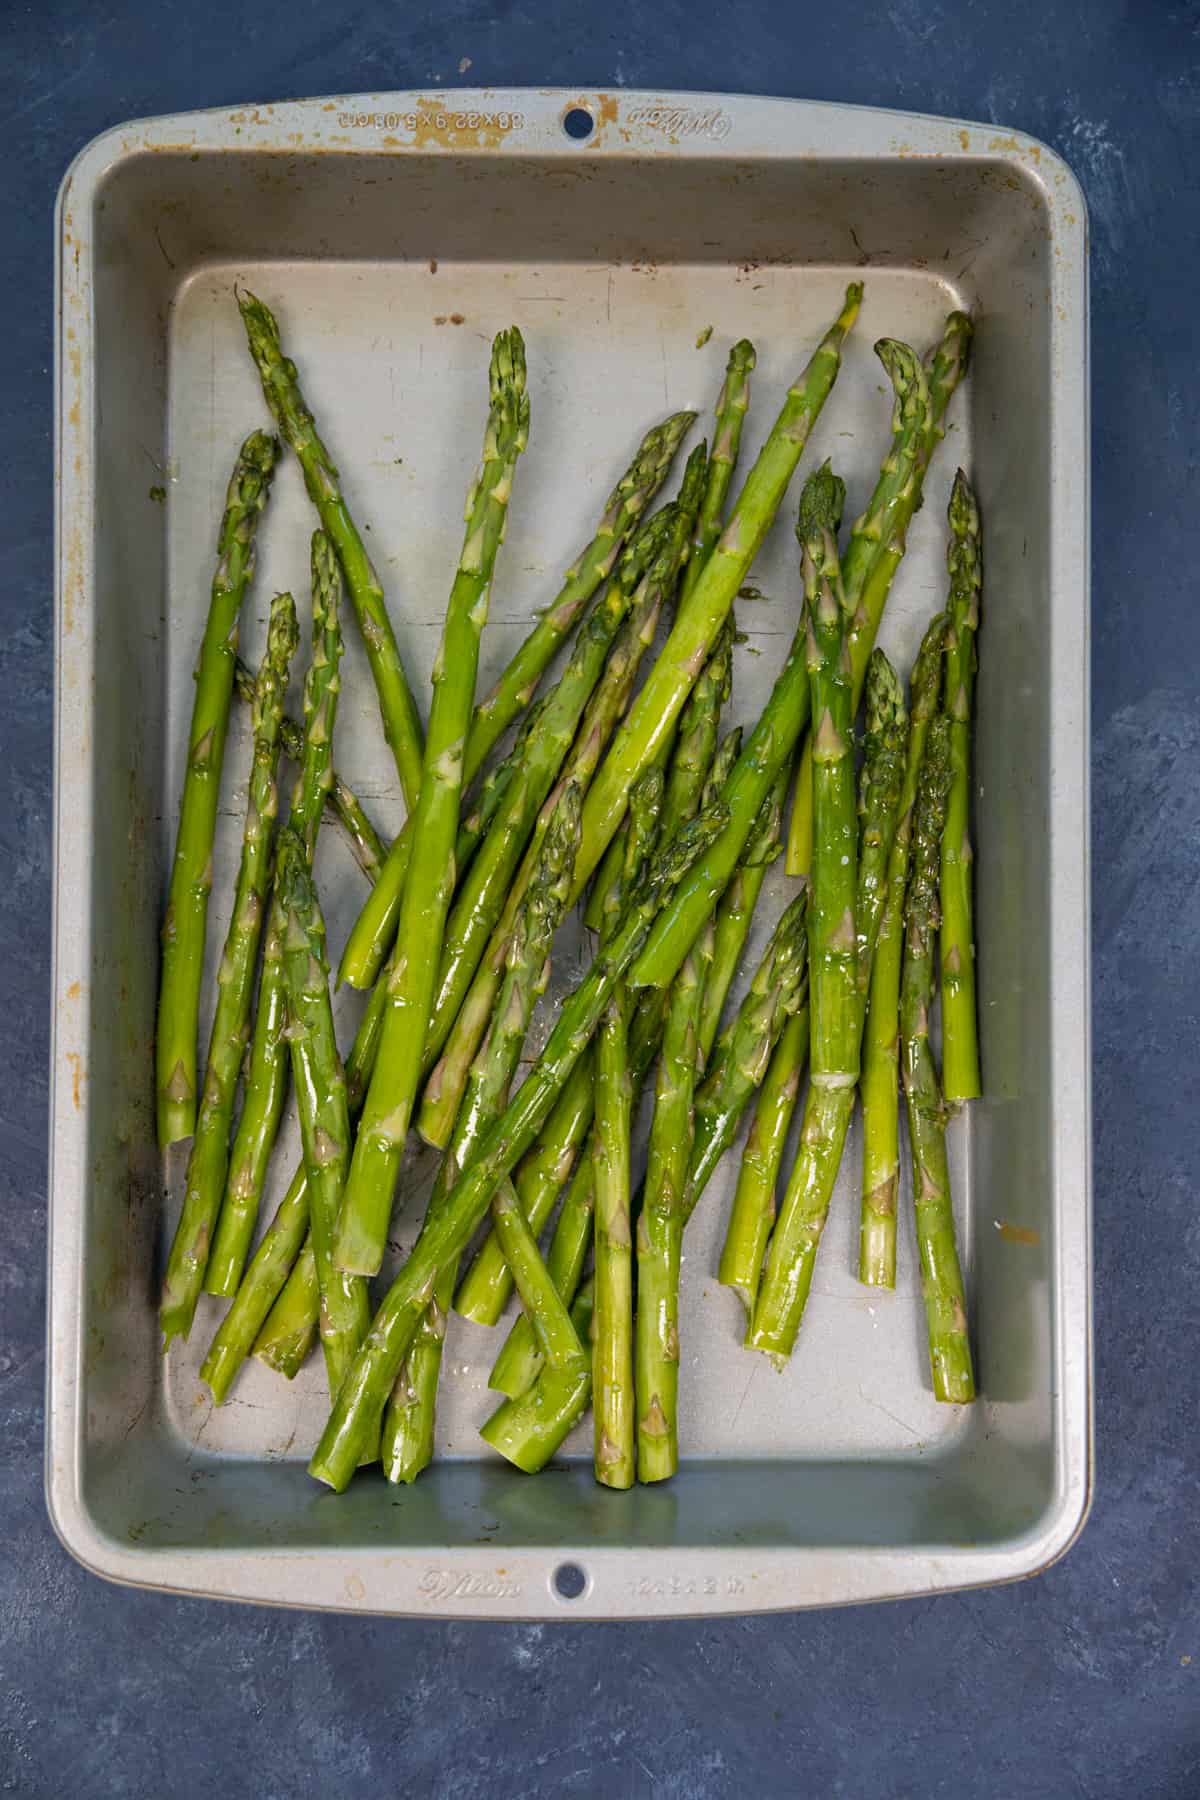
(454, 941)
(889, 900)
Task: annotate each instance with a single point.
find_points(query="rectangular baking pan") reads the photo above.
(395, 233)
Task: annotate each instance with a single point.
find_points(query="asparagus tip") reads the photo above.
(964, 509)
(821, 502)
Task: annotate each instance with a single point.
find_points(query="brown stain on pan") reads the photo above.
(605, 112)
(1018, 1234)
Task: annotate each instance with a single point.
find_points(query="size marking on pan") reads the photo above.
(680, 1587)
(424, 120)
(448, 1584)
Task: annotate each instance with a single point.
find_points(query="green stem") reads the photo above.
(320, 1085)
(266, 1078)
(409, 1426)
(836, 1001)
(613, 1372)
(556, 1335)
(653, 715)
(612, 1326)
(753, 1212)
(281, 390)
(742, 1054)
(375, 928)
(486, 1288)
(444, 1088)
(660, 1223)
(532, 1423)
(880, 537)
(735, 909)
(246, 1324)
(960, 1031)
(764, 762)
(529, 1429)
(367, 1204)
(733, 402)
(366, 1209)
(186, 917)
(209, 1157)
(880, 1084)
(359, 1405)
(941, 1274)
(625, 507)
(881, 782)
(291, 1329)
(342, 803)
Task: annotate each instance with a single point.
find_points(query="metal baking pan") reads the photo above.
(395, 233)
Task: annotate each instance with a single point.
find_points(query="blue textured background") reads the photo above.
(1085, 1682)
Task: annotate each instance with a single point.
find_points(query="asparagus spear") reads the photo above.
(660, 1223)
(409, 1426)
(365, 1213)
(266, 1077)
(697, 775)
(880, 1084)
(250, 1321)
(687, 756)
(880, 536)
(656, 553)
(359, 1404)
(836, 1001)
(528, 1430)
(608, 870)
(444, 1088)
(881, 794)
(529, 1427)
(486, 1289)
(738, 1064)
(291, 1327)
(763, 763)
(557, 1336)
(473, 826)
(376, 926)
(612, 863)
(753, 1212)
(281, 390)
(732, 405)
(880, 784)
(612, 1328)
(235, 981)
(699, 724)
(658, 705)
(941, 1276)
(342, 803)
(735, 910)
(321, 1096)
(743, 1051)
(191, 871)
(264, 1280)
(625, 507)
(960, 1038)
(367, 1202)
(516, 1366)
(487, 1286)
(519, 1360)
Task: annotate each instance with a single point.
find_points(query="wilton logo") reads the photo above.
(684, 121)
(443, 1584)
